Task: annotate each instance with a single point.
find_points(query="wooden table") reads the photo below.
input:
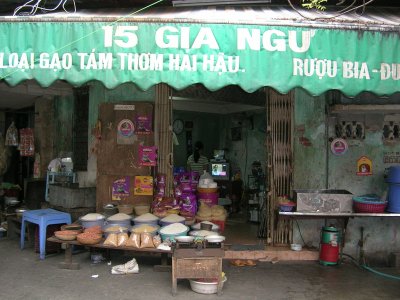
(69, 264)
(197, 263)
(345, 216)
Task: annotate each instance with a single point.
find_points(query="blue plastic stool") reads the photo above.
(43, 218)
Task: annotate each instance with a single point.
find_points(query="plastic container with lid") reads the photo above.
(92, 219)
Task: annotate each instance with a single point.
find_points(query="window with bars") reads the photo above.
(350, 130)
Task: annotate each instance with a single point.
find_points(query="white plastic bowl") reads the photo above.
(205, 287)
(215, 238)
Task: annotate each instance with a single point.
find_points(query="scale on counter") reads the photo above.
(198, 248)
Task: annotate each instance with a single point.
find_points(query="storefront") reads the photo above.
(157, 51)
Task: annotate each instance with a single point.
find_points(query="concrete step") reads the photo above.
(273, 254)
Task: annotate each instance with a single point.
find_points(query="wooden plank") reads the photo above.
(208, 252)
(69, 264)
(101, 245)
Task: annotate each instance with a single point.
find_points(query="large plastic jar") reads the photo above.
(208, 198)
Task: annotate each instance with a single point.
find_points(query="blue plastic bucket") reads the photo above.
(393, 175)
(393, 198)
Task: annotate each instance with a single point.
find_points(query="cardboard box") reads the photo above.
(324, 201)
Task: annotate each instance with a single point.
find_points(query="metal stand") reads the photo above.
(51, 176)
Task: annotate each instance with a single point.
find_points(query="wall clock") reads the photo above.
(178, 126)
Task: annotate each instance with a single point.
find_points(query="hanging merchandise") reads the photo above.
(4, 156)
(12, 135)
(27, 142)
(143, 185)
(160, 185)
(147, 155)
(120, 188)
(188, 205)
(143, 125)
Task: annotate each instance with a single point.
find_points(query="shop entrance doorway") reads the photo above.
(233, 121)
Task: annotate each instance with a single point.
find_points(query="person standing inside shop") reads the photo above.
(197, 161)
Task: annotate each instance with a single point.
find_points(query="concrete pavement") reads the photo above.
(24, 276)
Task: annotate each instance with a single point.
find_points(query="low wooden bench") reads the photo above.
(69, 264)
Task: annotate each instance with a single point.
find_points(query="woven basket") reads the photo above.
(89, 239)
(125, 208)
(361, 205)
(66, 235)
(287, 207)
(74, 227)
(142, 209)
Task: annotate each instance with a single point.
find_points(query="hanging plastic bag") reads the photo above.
(12, 135)
(205, 179)
(27, 143)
